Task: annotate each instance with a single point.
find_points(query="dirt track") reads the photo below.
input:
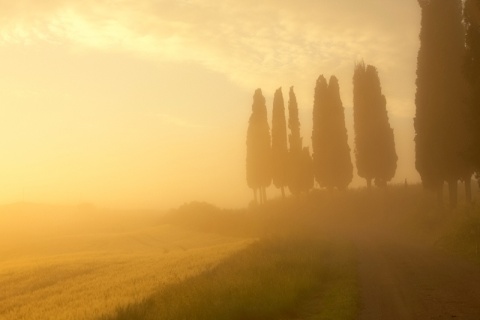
(405, 281)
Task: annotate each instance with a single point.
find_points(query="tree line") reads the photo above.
(446, 122)
(280, 157)
(447, 119)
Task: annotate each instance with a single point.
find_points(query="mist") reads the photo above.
(189, 160)
(100, 106)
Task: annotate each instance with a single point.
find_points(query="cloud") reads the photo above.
(254, 44)
(177, 121)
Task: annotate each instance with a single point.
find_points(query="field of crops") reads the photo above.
(83, 266)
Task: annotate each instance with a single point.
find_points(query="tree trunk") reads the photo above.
(453, 193)
(439, 192)
(283, 192)
(369, 183)
(264, 195)
(468, 190)
(255, 195)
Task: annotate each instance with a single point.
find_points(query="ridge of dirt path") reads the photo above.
(399, 280)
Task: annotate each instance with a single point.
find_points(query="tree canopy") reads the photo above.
(279, 142)
(472, 73)
(258, 147)
(442, 135)
(331, 154)
(375, 153)
(300, 167)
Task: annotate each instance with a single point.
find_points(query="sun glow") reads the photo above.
(104, 99)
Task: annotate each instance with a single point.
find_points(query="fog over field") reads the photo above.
(239, 160)
(82, 263)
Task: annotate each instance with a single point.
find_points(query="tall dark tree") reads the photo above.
(331, 153)
(258, 148)
(295, 152)
(442, 137)
(279, 142)
(306, 171)
(375, 153)
(472, 72)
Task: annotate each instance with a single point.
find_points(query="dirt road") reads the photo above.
(405, 281)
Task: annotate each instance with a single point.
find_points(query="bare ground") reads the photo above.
(401, 280)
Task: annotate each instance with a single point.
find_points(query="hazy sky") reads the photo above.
(144, 103)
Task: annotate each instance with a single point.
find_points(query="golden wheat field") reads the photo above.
(85, 263)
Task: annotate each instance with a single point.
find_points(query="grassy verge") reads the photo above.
(339, 296)
(463, 236)
(272, 279)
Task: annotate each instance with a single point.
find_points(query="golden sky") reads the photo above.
(143, 103)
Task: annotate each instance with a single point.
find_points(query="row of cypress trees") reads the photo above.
(269, 157)
(447, 120)
(272, 160)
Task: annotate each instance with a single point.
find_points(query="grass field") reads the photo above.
(82, 267)
(301, 267)
(277, 278)
(291, 259)
(462, 235)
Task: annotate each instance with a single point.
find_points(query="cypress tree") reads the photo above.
(375, 153)
(295, 152)
(442, 138)
(472, 72)
(472, 40)
(320, 137)
(258, 148)
(427, 148)
(331, 153)
(279, 142)
(306, 173)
